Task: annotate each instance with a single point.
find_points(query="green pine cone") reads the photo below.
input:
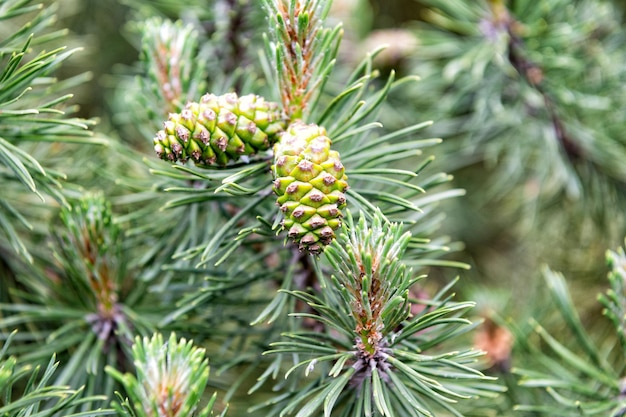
(220, 129)
(309, 180)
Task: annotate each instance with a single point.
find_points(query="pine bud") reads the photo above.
(170, 378)
(309, 180)
(219, 129)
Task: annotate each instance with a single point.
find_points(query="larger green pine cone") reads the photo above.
(310, 183)
(220, 129)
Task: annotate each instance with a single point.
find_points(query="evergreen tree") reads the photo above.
(263, 195)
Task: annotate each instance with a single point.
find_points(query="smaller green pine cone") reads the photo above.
(310, 182)
(220, 129)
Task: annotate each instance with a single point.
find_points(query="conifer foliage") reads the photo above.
(34, 109)
(243, 203)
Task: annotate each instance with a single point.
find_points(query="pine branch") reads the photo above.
(33, 108)
(372, 352)
(171, 378)
(217, 129)
(27, 391)
(302, 51)
(169, 56)
(83, 304)
(581, 377)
